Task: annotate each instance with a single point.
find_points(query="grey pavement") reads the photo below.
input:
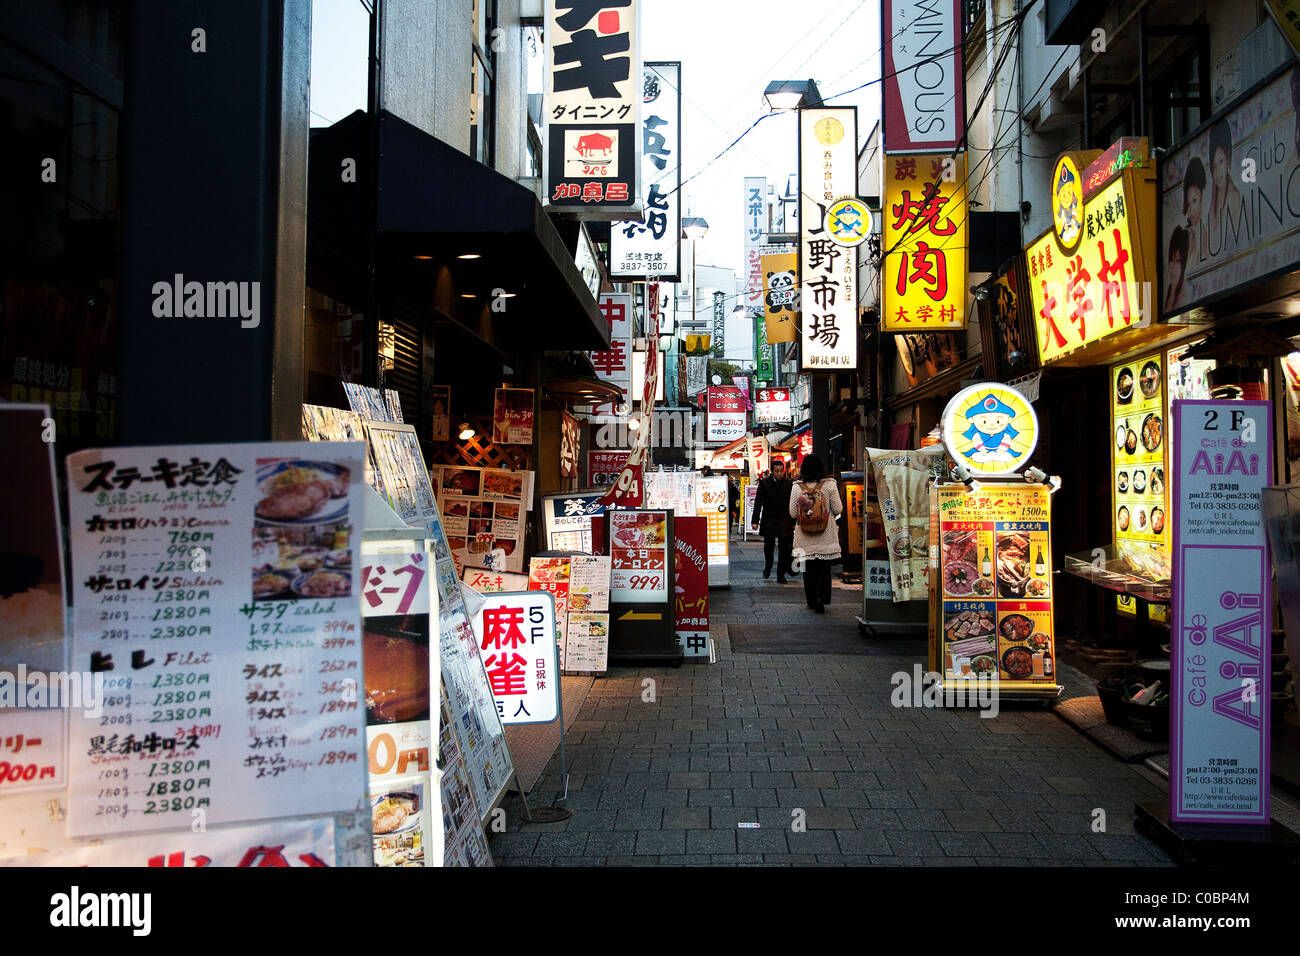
(800, 759)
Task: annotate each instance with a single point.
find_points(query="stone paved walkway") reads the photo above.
(808, 747)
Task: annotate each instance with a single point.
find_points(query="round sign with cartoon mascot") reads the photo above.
(1067, 203)
(991, 429)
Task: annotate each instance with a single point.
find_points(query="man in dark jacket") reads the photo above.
(773, 521)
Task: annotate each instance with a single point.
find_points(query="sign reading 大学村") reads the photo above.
(1222, 603)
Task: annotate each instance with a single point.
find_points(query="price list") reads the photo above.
(214, 597)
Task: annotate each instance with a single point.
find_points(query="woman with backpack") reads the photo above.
(815, 505)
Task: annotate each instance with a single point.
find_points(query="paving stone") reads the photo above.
(761, 841)
(972, 820)
(561, 844)
(812, 841)
(710, 841)
(863, 842)
(686, 818)
(709, 798)
(688, 781)
(639, 819)
(657, 842)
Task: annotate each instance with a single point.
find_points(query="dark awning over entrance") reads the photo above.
(474, 244)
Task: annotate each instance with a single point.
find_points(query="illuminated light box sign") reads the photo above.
(923, 283)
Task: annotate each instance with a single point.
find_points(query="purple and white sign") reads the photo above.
(1222, 606)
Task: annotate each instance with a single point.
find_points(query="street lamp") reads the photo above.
(782, 95)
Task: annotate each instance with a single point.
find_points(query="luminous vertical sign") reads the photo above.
(1222, 609)
(592, 104)
(614, 365)
(755, 235)
(923, 283)
(719, 324)
(924, 103)
(828, 272)
(780, 295)
(653, 247)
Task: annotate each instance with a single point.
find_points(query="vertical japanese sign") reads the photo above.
(711, 495)
(764, 360)
(828, 271)
(216, 598)
(614, 365)
(719, 325)
(570, 442)
(517, 643)
(924, 104)
(923, 285)
(627, 488)
(1102, 287)
(994, 563)
(726, 413)
(592, 103)
(653, 247)
(755, 213)
(697, 374)
(759, 453)
(780, 295)
(1222, 613)
(639, 557)
(691, 584)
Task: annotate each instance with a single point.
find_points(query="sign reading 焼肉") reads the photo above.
(924, 237)
(828, 271)
(591, 97)
(1222, 614)
(516, 634)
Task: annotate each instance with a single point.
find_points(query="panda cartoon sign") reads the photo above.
(990, 428)
(780, 295)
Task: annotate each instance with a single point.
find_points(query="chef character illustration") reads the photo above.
(990, 431)
(1067, 206)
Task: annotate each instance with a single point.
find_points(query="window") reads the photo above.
(482, 103)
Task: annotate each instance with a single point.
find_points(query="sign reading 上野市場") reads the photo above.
(780, 295)
(828, 271)
(653, 247)
(1102, 287)
(516, 636)
(990, 428)
(923, 280)
(924, 103)
(1222, 613)
(591, 98)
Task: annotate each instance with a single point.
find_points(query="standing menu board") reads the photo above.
(691, 585)
(991, 590)
(1222, 614)
(638, 547)
(403, 480)
(484, 513)
(711, 503)
(215, 595)
(566, 520)
(1139, 483)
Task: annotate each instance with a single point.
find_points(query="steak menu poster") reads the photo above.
(215, 596)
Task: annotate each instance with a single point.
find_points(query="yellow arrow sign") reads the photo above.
(639, 616)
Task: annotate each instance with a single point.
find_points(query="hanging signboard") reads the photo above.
(591, 99)
(517, 641)
(727, 416)
(780, 295)
(828, 271)
(174, 547)
(772, 406)
(639, 250)
(923, 281)
(924, 101)
(697, 374)
(614, 365)
(1222, 614)
(1103, 289)
(992, 602)
(764, 354)
(512, 416)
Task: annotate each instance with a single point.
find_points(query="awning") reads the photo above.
(791, 440)
(448, 231)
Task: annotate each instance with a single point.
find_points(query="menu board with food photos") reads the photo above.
(484, 514)
(1139, 390)
(993, 596)
(215, 591)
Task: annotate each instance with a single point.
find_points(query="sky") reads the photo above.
(730, 50)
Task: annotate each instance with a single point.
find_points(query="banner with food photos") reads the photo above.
(902, 485)
(217, 600)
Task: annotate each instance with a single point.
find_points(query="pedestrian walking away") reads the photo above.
(815, 506)
(773, 521)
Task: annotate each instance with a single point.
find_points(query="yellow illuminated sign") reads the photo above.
(1101, 287)
(923, 283)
